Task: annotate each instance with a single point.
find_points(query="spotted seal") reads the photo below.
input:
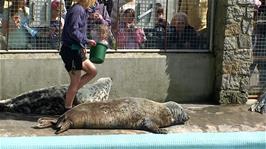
(125, 113)
(51, 100)
(260, 105)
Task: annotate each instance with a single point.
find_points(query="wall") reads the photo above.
(232, 48)
(183, 77)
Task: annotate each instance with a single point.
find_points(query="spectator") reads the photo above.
(259, 32)
(129, 35)
(56, 22)
(108, 4)
(257, 3)
(14, 23)
(160, 20)
(160, 27)
(2, 37)
(196, 11)
(180, 34)
(116, 11)
(68, 3)
(98, 17)
(2, 2)
(104, 31)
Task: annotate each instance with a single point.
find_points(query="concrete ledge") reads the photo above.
(183, 77)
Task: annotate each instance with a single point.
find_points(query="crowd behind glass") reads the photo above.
(129, 24)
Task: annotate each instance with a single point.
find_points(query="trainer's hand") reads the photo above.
(84, 51)
(92, 43)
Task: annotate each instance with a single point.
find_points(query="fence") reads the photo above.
(258, 68)
(139, 25)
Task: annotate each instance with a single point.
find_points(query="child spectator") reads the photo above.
(56, 22)
(117, 5)
(180, 34)
(98, 17)
(103, 36)
(160, 20)
(129, 35)
(160, 26)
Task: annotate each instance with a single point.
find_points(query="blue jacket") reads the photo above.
(75, 28)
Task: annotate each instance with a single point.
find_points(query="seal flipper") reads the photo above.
(263, 109)
(45, 122)
(62, 124)
(149, 125)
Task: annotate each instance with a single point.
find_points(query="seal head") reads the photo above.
(179, 116)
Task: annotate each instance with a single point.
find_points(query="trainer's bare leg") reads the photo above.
(72, 88)
(77, 81)
(90, 72)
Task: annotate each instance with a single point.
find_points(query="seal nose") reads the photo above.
(185, 116)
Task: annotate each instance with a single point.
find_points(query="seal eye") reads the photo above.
(173, 120)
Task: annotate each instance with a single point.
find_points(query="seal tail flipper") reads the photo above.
(45, 122)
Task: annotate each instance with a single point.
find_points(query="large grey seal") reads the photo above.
(127, 113)
(51, 100)
(260, 105)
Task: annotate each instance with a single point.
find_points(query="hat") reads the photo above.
(55, 4)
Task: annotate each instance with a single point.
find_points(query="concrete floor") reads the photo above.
(203, 118)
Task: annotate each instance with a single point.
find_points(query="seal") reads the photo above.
(125, 113)
(260, 105)
(50, 101)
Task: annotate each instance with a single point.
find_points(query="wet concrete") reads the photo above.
(203, 118)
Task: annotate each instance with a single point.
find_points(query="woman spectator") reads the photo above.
(14, 17)
(180, 34)
(196, 11)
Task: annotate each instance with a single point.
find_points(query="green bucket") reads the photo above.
(97, 53)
